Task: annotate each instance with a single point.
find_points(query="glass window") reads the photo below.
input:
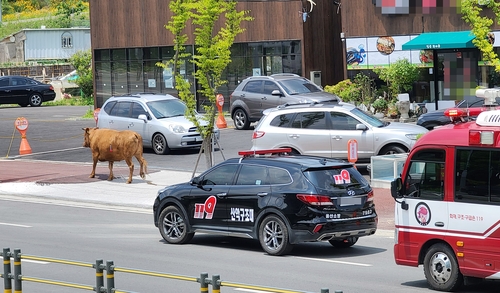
(334, 179)
(425, 178)
(253, 86)
(253, 175)
(167, 108)
(4, 81)
(152, 53)
(477, 177)
(223, 175)
(18, 81)
(310, 120)
(109, 106)
(368, 118)
(135, 54)
(102, 55)
(341, 121)
(282, 120)
(122, 109)
(102, 78)
(137, 110)
(135, 76)
(66, 40)
(299, 86)
(269, 87)
(118, 54)
(279, 176)
(119, 78)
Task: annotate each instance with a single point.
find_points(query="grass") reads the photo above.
(76, 101)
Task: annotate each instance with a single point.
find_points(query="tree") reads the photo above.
(81, 61)
(399, 76)
(212, 54)
(67, 9)
(480, 26)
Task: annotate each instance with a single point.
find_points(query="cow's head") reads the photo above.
(86, 136)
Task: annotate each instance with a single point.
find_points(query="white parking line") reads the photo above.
(336, 261)
(15, 225)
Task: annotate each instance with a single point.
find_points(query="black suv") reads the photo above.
(269, 195)
(257, 93)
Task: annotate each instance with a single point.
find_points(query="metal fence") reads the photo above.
(109, 267)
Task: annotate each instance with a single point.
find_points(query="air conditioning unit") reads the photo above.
(315, 77)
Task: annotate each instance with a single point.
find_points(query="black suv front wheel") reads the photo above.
(173, 227)
(273, 236)
(241, 120)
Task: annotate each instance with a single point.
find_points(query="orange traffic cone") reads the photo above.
(25, 148)
(21, 125)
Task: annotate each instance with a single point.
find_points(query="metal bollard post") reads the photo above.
(215, 284)
(325, 290)
(7, 283)
(203, 282)
(18, 286)
(99, 279)
(110, 276)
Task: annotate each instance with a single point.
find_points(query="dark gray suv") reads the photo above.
(257, 93)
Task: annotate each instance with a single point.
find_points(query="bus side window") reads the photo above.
(478, 176)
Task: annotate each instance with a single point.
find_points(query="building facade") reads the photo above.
(129, 38)
(333, 40)
(32, 45)
(431, 34)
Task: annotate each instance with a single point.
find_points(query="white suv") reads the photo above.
(158, 118)
(324, 129)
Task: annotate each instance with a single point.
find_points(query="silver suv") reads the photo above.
(257, 93)
(324, 129)
(158, 118)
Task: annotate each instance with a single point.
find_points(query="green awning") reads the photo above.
(441, 40)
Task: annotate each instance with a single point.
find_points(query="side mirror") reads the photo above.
(276, 93)
(195, 181)
(361, 126)
(396, 187)
(143, 117)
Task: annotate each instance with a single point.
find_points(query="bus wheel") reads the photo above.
(441, 268)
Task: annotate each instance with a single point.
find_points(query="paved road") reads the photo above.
(55, 136)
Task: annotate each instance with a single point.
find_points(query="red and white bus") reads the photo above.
(447, 214)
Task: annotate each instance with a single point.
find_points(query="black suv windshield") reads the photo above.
(167, 108)
(298, 86)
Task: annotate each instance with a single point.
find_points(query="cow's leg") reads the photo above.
(94, 164)
(131, 168)
(110, 166)
(143, 164)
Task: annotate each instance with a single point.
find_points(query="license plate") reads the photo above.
(349, 201)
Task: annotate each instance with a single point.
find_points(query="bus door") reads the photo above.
(426, 213)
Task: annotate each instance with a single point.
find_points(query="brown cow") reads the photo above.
(113, 146)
